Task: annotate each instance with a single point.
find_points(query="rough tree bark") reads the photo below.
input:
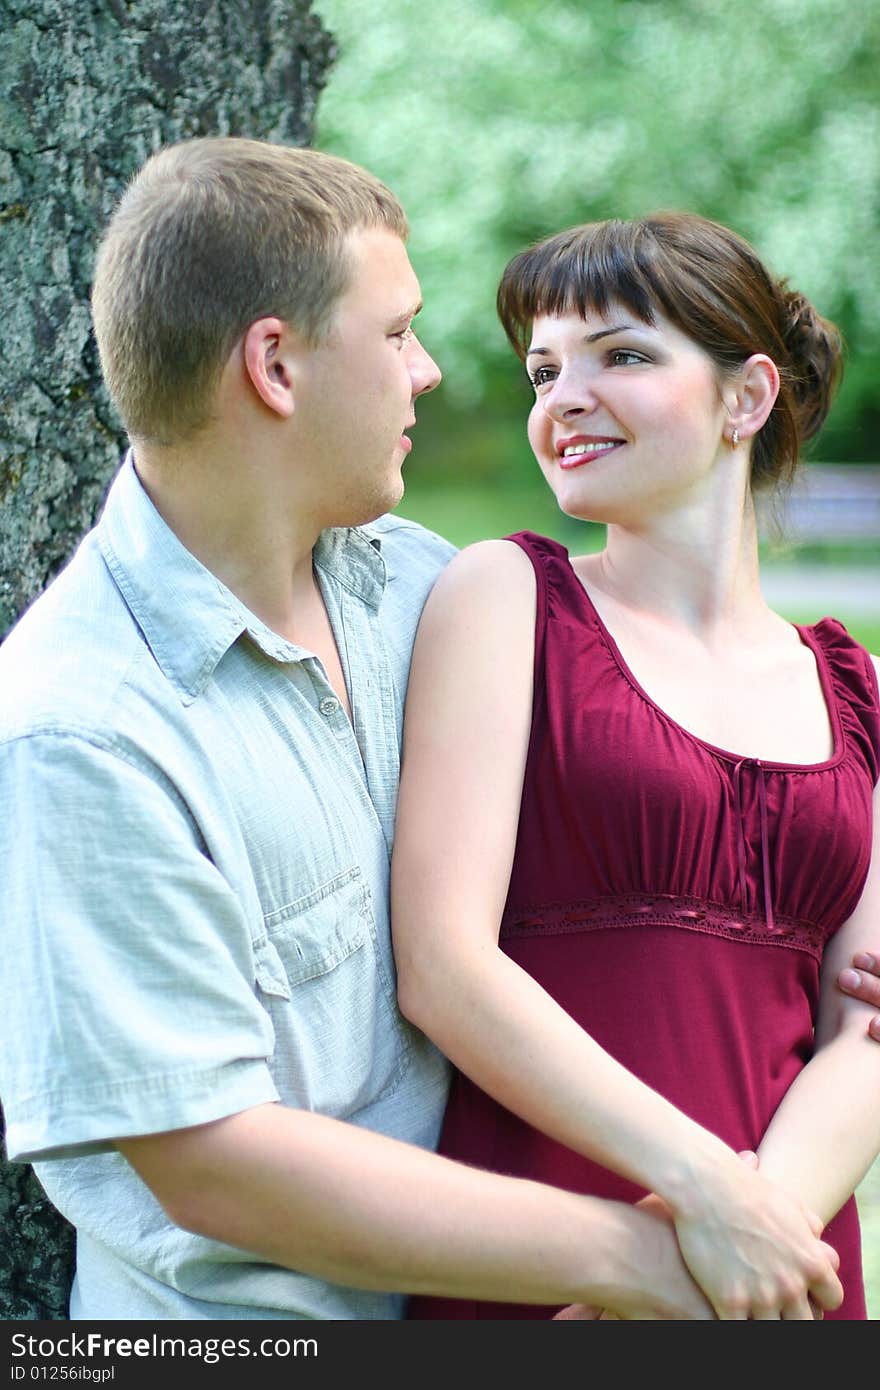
(87, 91)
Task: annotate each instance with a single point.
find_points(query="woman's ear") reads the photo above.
(267, 364)
(751, 396)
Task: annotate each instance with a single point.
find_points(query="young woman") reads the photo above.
(634, 843)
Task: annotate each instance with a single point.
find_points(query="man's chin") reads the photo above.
(398, 495)
(392, 496)
(382, 502)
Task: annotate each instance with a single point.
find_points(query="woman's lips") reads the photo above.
(572, 453)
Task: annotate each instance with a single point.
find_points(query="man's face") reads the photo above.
(357, 389)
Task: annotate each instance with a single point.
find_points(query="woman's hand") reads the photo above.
(793, 1308)
(755, 1251)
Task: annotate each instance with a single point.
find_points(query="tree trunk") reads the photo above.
(87, 92)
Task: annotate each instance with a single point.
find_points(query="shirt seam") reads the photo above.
(91, 738)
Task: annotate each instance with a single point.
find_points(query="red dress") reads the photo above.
(673, 897)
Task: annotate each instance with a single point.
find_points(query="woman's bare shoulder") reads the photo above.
(485, 600)
(489, 565)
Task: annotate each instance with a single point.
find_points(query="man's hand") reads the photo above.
(656, 1207)
(578, 1312)
(862, 981)
(681, 1300)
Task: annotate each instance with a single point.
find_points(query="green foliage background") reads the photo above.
(499, 121)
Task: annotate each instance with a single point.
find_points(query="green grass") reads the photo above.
(868, 1199)
(465, 512)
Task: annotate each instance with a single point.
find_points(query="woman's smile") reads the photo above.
(581, 449)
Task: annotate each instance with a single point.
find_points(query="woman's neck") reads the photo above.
(699, 568)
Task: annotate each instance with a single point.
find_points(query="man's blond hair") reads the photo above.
(211, 235)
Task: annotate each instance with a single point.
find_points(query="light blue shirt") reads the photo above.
(195, 848)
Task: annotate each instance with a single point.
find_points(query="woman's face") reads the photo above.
(628, 417)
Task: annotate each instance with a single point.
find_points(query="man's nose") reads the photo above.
(424, 370)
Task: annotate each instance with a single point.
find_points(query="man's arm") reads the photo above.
(344, 1204)
(129, 1005)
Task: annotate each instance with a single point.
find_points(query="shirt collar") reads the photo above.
(353, 556)
(189, 618)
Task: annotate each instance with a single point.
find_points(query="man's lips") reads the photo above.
(580, 449)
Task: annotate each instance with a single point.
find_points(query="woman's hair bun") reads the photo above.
(815, 350)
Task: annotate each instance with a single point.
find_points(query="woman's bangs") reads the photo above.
(581, 273)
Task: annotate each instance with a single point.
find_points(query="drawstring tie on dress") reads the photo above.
(741, 837)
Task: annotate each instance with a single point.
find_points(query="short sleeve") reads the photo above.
(127, 992)
(854, 678)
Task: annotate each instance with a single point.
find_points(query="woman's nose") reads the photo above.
(572, 393)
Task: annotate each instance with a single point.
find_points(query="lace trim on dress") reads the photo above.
(663, 910)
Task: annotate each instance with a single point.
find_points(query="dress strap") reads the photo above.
(740, 834)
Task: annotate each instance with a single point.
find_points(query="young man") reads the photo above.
(199, 735)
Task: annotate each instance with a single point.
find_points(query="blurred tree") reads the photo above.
(499, 121)
(87, 91)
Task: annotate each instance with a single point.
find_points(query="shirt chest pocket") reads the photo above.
(339, 1039)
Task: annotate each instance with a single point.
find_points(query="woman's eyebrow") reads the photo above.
(590, 338)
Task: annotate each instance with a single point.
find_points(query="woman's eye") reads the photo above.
(625, 357)
(542, 375)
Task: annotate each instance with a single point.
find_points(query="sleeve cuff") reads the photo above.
(56, 1126)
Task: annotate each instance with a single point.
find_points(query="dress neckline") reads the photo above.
(808, 638)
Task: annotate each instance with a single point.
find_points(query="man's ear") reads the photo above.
(267, 362)
(752, 395)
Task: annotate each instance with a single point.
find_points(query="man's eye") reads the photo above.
(406, 333)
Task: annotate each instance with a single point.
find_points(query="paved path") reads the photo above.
(816, 590)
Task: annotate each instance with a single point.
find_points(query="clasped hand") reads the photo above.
(754, 1252)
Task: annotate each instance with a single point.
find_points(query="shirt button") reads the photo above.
(329, 705)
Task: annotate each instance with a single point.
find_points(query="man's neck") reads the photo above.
(230, 515)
